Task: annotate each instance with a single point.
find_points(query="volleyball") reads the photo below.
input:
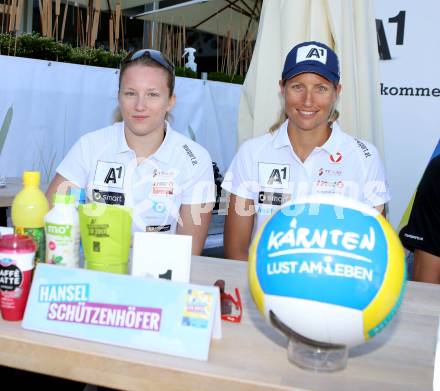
(332, 270)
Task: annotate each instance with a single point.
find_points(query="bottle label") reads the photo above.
(38, 236)
(61, 230)
(62, 244)
(15, 282)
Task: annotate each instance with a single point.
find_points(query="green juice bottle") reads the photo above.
(28, 210)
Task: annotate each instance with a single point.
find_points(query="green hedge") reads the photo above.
(185, 72)
(43, 48)
(219, 76)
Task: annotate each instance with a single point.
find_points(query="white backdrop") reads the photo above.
(55, 103)
(411, 123)
(348, 27)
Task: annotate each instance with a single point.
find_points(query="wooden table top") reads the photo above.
(250, 356)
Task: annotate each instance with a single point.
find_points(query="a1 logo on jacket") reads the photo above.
(109, 174)
(273, 175)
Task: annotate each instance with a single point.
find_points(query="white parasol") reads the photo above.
(348, 26)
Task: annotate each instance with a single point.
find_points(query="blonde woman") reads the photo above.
(142, 162)
(305, 153)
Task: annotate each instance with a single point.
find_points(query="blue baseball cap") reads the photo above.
(314, 57)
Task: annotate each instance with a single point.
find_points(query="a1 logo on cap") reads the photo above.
(311, 52)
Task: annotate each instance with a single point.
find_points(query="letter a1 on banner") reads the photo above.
(139, 313)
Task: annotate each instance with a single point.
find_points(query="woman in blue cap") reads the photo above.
(304, 153)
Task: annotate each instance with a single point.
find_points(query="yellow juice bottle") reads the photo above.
(28, 210)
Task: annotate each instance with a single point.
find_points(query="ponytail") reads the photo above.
(280, 121)
(333, 117)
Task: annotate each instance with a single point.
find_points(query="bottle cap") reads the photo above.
(65, 199)
(31, 178)
(16, 243)
(79, 194)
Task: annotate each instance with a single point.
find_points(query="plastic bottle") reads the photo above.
(80, 199)
(17, 254)
(28, 210)
(62, 232)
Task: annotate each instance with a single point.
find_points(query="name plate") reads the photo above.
(140, 313)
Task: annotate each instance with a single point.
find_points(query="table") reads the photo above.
(7, 193)
(250, 356)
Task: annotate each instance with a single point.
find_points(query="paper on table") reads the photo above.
(162, 255)
(156, 254)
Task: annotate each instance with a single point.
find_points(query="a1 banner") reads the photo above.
(408, 35)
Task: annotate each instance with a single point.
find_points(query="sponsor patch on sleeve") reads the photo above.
(363, 148)
(190, 154)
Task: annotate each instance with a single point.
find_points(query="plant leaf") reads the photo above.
(5, 127)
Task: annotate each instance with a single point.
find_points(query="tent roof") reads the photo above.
(221, 17)
(125, 4)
